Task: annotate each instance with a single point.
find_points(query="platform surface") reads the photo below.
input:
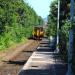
(44, 62)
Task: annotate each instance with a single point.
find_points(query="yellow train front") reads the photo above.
(38, 32)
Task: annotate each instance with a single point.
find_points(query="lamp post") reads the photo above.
(58, 20)
(70, 50)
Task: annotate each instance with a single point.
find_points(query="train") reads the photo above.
(38, 32)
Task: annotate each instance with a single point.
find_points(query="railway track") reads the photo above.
(44, 61)
(13, 66)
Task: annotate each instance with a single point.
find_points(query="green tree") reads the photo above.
(17, 19)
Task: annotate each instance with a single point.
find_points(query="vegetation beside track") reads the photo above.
(17, 19)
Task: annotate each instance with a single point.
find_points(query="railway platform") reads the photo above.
(44, 61)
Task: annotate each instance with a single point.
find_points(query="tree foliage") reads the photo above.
(63, 28)
(52, 19)
(17, 19)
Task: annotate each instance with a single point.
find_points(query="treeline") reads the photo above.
(64, 28)
(17, 19)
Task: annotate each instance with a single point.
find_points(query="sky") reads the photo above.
(40, 6)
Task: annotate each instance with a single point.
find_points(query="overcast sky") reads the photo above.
(40, 6)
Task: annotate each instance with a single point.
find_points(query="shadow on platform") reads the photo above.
(55, 69)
